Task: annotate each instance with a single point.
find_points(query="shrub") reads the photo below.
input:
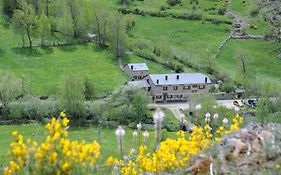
(170, 122)
(89, 90)
(128, 104)
(56, 155)
(173, 2)
(221, 11)
(32, 108)
(72, 94)
(254, 11)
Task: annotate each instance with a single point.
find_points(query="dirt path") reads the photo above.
(234, 16)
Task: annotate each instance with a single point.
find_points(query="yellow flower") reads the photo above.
(62, 114)
(65, 122)
(14, 133)
(65, 167)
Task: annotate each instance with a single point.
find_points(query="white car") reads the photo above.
(238, 103)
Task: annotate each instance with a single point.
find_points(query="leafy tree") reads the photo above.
(165, 50)
(25, 19)
(118, 37)
(124, 2)
(10, 87)
(72, 94)
(246, 74)
(101, 24)
(89, 90)
(44, 28)
(129, 105)
(264, 108)
(173, 2)
(9, 6)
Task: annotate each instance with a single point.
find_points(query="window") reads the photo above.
(169, 96)
(194, 86)
(194, 91)
(140, 77)
(165, 88)
(158, 96)
(179, 96)
(186, 87)
(175, 88)
(202, 87)
(135, 77)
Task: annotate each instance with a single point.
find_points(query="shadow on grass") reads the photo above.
(68, 48)
(2, 52)
(48, 50)
(30, 52)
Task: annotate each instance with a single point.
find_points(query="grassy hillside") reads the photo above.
(42, 69)
(264, 61)
(185, 37)
(195, 41)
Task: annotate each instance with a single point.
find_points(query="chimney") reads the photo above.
(157, 81)
(132, 67)
(206, 79)
(166, 77)
(178, 77)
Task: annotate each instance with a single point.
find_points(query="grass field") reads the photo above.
(37, 132)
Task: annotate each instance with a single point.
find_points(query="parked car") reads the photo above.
(252, 103)
(238, 103)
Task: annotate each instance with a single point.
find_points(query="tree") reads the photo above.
(124, 2)
(139, 102)
(72, 94)
(10, 87)
(165, 50)
(129, 105)
(89, 90)
(118, 37)
(100, 24)
(264, 108)
(44, 28)
(25, 19)
(9, 6)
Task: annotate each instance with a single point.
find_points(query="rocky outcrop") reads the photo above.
(251, 150)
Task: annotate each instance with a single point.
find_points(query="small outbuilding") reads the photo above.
(136, 71)
(239, 92)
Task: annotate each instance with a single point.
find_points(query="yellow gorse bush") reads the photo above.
(176, 153)
(56, 155)
(59, 155)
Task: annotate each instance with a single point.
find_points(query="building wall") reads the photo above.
(135, 75)
(176, 92)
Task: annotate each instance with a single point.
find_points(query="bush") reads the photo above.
(173, 2)
(89, 90)
(32, 108)
(221, 11)
(254, 11)
(127, 105)
(170, 122)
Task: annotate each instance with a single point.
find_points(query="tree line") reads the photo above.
(58, 22)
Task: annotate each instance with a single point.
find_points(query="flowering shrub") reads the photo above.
(56, 155)
(175, 153)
